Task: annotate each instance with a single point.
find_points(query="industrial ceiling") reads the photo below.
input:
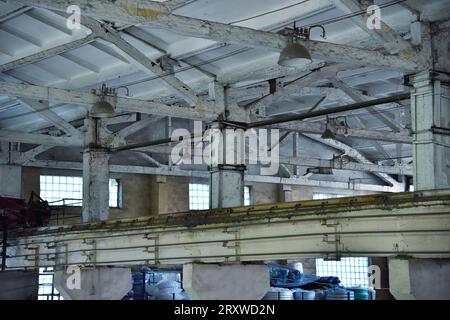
(169, 67)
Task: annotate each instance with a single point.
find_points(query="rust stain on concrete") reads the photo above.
(143, 12)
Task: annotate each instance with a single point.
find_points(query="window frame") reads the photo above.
(352, 271)
(206, 205)
(48, 192)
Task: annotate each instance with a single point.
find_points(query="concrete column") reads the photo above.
(226, 282)
(423, 279)
(430, 117)
(286, 193)
(95, 185)
(227, 167)
(95, 176)
(10, 181)
(100, 283)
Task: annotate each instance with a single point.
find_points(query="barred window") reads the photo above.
(47, 289)
(352, 271)
(247, 196)
(68, 190)
(199, 196)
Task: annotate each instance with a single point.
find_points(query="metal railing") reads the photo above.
(59, 210)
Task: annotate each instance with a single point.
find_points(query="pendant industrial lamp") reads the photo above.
(102, 108)
(328, 133)
(295, 54)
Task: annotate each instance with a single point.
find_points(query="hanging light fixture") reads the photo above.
(102, 108)
(295, 54)
(328, 133)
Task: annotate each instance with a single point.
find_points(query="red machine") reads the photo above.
(18, 213)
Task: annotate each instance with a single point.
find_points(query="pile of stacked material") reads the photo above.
(138, 285)
(279, 294)
(300, 294)
(285, 277)
(167, 290)
(339, 294)
(363, 293)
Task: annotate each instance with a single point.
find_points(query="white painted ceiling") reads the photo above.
(30, 30)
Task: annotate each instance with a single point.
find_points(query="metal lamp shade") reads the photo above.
(102, 109)
(294, 55)
(328, 134)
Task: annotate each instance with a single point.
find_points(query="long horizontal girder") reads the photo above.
(407, 224)
(153, 13)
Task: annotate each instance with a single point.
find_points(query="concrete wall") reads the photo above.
(142, 195)
(264, 193)
(19, 285)
(173, 194)
(430, 278)
(306, 192)
(10, 181)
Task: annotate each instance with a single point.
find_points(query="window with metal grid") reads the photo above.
(199, 196)
(67, 190)
(47, 289)
(352, 271)
(247, 196)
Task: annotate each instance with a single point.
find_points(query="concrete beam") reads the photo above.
(357, 97)
(109, 34)
(43, 110)
(156, 14)
(41, 55)
(355, 154)
(31, 154)
(386, 35)
(364, 134)
(242, 76)
(408, 224)
(399, 169)
(174, 171)
(34, 138)
(200, 112)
